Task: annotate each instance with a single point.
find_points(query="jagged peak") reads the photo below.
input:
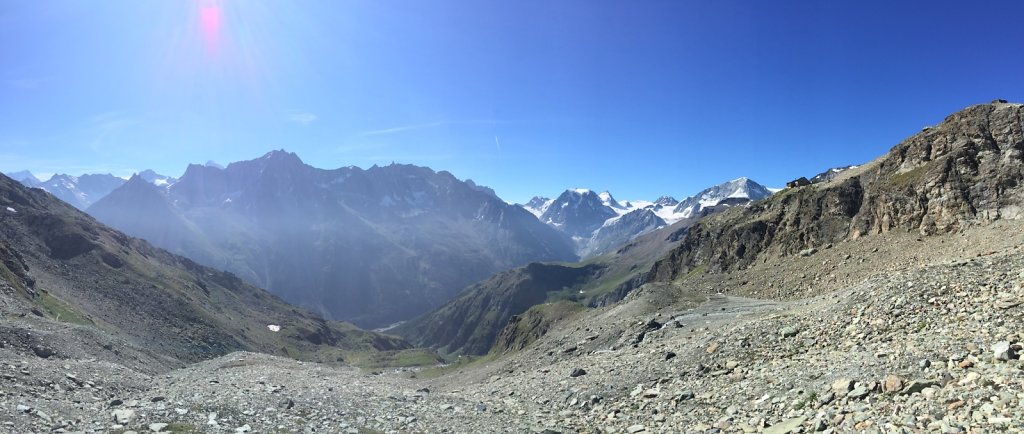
(23, 175)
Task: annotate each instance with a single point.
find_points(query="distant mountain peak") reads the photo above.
(281, 155)
(214, 164)
(740, 188)
(609, 200)
(25, 177)
(538, 205)
(666, 201)
(156, 179)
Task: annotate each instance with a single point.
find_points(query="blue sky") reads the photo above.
(530, 97)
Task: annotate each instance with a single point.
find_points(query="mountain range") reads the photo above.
(598, 223)
(872, 296)
(370, 246)
(432, 233)
(84, 190)
(80, 287)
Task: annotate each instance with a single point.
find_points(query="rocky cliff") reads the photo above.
(966, 170)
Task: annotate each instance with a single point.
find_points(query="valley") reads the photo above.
(884, 297)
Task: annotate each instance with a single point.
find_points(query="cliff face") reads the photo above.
(966, 170)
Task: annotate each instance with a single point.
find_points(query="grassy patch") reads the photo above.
(61, 311)
(456, 365)
(181, 428)
(7, 275)
(395, 359)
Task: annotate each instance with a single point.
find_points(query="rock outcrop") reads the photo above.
(964, 171)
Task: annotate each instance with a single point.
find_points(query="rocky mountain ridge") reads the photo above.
(967, 169)
(373, 246)
(84, 190)
(598, 223)
(64, 274)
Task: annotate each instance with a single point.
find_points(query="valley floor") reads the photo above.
(929, 345)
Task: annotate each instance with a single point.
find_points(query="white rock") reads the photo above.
(123, 415)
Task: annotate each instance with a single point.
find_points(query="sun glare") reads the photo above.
(210, 18)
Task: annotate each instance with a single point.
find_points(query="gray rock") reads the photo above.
(685, 395)
(859, 392)
(42, 352)
(787, 426)
(790, 331)
(123, 416)
(917, 386)
(842, 385)
(577, 372)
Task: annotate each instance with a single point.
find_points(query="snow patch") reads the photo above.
(9, 209)
(274, 327)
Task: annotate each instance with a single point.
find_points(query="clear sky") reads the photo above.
(530, 97)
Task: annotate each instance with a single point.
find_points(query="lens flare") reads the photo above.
(210, 18)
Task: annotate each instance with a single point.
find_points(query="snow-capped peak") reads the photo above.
(538, 205)
(609, 201)
(739, 188)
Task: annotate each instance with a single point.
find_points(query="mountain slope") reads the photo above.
(58, 263)
(830, 174)
(80, 191)
(968, 170)
(618, 231)
(513, 308)
(371, 246)
(488, 306)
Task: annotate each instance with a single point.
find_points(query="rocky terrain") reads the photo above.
(967, 169)
(931, 348)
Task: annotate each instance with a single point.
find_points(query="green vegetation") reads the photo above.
(179, 427)
(395, 359)
(61, 311)
(456, 364)
(7, 275)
